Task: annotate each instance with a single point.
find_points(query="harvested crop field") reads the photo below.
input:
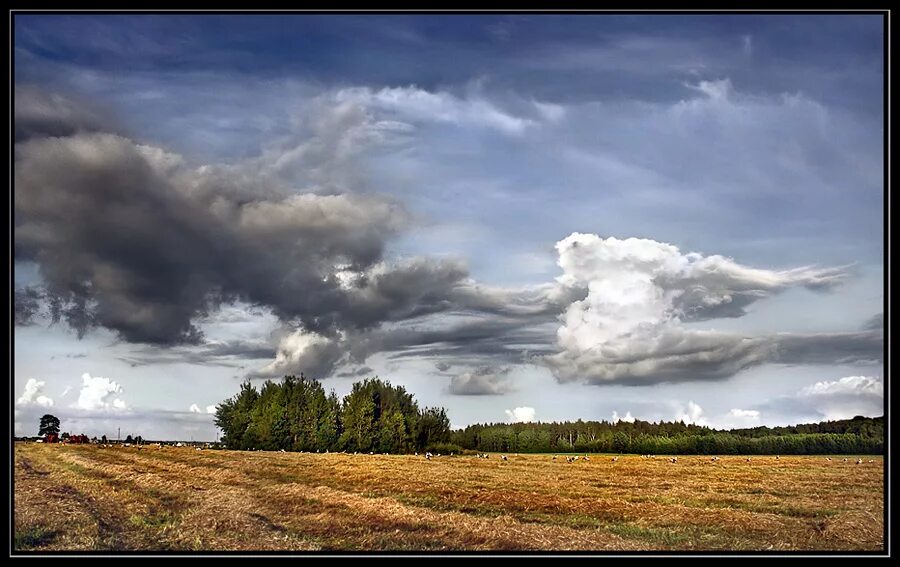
(86, 498)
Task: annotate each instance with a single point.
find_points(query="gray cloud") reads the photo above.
(481, 381)
(507, 340)
(129, 238)
(236, 353)
(865, 347)
(876, 323)
(41, 114)
(362, 371)
(27, 304)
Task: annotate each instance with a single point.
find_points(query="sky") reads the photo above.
(515, 217)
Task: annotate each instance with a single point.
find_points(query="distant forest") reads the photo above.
(858, 435)
(375, 417)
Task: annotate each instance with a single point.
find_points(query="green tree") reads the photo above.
(358, 417)
(432, 426)
(49, 425)
(329, 430)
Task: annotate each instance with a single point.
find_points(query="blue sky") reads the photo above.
(668, 216)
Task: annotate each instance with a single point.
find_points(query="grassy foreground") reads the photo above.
(94, 498)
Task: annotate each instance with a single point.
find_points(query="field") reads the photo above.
(94, 498)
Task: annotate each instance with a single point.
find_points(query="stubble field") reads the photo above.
(87, 498)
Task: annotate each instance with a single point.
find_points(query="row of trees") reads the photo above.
(859, 435)
(297, 415)
(49, 425)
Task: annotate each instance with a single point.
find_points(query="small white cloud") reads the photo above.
(628, 418)
(32, 395)
(693, 415)
(747, 44)
(740, 418)
(846, 385)
(194, 408)
(521, 415)
(744, 413)
(99, 394)
(846, 397)
(211, 409)
(66, 391)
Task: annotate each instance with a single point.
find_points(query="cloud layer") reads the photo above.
(134, 238)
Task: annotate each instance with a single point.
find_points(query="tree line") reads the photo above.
(297, 415)
(860, 435)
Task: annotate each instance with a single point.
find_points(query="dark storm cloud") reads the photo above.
(128, 238)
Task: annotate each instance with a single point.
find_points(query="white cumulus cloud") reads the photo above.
(99, 394)
(32, 396)
(520, 415)
(194, 408)
(639, 294)
(692, 415)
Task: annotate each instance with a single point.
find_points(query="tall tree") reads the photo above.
(49, 425)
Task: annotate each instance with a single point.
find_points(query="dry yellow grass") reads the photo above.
(94, 498)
